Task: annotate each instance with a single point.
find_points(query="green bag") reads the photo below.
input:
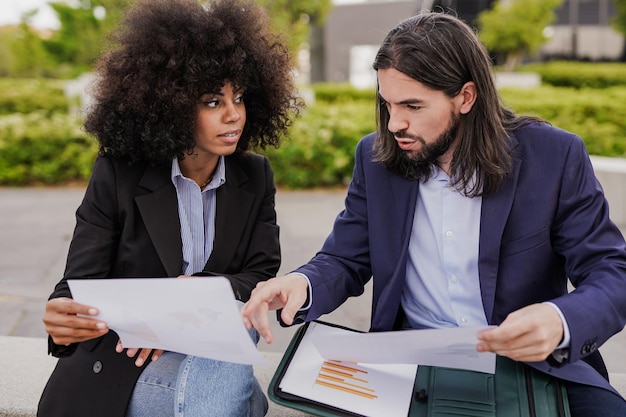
(515, 390)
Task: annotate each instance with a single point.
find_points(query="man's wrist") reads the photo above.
(301, 314)
(309, 298)
(561, 352)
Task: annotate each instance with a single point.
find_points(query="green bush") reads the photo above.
(319, 151)
(334, 92)
(598, 117)
(40, 149)
(41, 144)
(30, 95)
(579, 74)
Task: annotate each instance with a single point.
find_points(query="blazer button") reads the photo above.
(97, 367)
(589, 348)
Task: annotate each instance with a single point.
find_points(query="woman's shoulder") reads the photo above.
(125, 172)
(247, 160)
(248, 167)
(115, 163)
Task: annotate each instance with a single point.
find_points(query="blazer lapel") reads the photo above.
(159, 211)
(404, 193)
(493, 217)
(233, 206)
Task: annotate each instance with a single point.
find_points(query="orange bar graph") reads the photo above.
(341, 376)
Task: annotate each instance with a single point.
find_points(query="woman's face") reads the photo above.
(220, 121)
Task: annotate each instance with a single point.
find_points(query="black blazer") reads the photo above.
(128, 226)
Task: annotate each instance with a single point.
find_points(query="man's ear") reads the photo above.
(467, 97)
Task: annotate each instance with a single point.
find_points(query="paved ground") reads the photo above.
(36, 225)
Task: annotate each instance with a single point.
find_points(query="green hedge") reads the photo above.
(597, 116)
(580, 74)
(334, 92)
(30, 95)
(41, 144)
(38, 148)
(319, 151)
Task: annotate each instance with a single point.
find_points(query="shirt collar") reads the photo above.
(218, 179)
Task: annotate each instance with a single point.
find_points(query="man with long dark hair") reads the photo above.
(466, 214)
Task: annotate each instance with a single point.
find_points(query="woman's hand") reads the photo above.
(68, 322)
(144, 353)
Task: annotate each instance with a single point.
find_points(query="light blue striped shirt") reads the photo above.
(196, 210)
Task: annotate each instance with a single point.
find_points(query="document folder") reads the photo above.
(277, 395)
(438, 391)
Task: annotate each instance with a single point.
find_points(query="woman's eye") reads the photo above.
(211, 103)
(239, 99)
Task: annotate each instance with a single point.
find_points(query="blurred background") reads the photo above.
(559, 59)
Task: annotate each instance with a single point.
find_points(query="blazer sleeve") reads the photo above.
(96, 234)
(95, 238)
(595, 258)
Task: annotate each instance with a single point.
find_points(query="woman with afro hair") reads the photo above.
(186, 93)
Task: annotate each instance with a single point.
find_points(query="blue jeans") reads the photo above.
(178, 385)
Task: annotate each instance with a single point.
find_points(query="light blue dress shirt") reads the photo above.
(442, 288)
(196, 210)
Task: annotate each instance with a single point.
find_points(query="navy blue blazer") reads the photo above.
(547, 223)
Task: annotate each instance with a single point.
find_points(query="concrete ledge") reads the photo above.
(517, 79)
(25, 368)
(611, 173)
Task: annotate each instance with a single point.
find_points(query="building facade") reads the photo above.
(343, 50)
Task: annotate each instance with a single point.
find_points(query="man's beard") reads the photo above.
(429, 153)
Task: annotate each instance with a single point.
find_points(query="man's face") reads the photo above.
(425, 122)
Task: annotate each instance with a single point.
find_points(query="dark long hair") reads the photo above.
(166, 55)
(443, 53)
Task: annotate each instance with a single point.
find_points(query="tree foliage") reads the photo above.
(512, 28)
(22, 53)
(82, 35)
(85, 25)
(619, 21)
(294, 17)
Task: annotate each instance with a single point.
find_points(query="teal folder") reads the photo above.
(515, 390)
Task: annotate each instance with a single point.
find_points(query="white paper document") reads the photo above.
(450, 347)
(373, 374)
(195, 316)
(364, 389)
